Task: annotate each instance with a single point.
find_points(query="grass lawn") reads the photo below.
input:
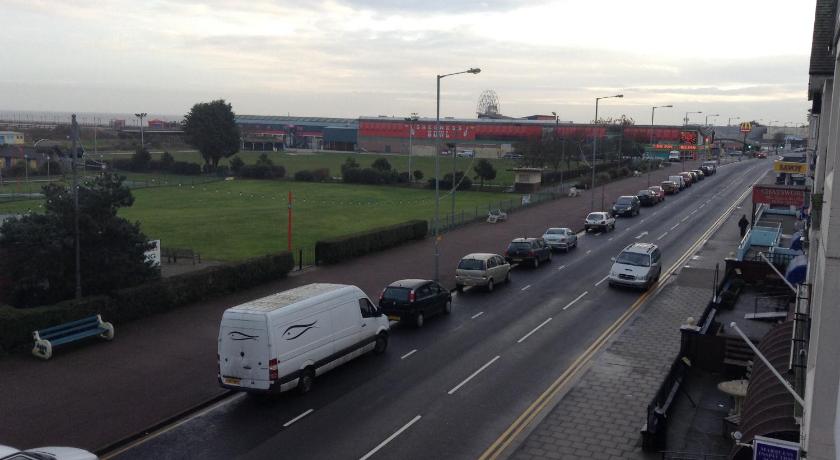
(233, 220)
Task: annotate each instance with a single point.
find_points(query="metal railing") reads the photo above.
(674, 455)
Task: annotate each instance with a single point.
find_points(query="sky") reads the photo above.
(346, 58)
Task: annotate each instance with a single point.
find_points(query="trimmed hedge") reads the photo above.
(358, 244)
(17, 324)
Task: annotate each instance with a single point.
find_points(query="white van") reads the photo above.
(680, 180)
(283, 341)
(674, 155)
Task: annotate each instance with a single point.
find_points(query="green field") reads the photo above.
(233, 220)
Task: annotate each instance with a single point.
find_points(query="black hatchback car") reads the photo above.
(528, 250)
(626, 206)
(647, 197)
(414, 300)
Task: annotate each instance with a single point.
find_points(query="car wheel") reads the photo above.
(549, 256)
(419, 320)
(536, 261)
(305, 381)
(459, 287)
(447, 307)
(381, 343)
(507, 277)
(490, 285)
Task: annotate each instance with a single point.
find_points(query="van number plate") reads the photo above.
(231, 381)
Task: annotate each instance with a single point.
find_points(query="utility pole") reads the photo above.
(141, 115)
(74, 135)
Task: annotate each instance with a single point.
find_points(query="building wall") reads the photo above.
(11, 138)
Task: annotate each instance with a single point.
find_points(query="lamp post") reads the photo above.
(35, 149)
(74, 137)
(730, 119)
(438, 135)
(563, 151)
(141, 116)
(710, 115)
(26, 164)
(686, 117)
(594, 149)
(410, 119)
(652, 113)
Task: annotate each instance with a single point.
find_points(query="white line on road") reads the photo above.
(408, 354)
(602, 280)
(588, 251)
(640, 235)
(675, 226)
(477, 315)
(561, 267)
(533, 330)
(610, 238)
(693, 212)
(628, 228)
(642, 221)
(390, 438)
(453, 390)
(576, 299)
(661, 236)
(526, 287)
(299, 417)
(684, 219)
(702, 205)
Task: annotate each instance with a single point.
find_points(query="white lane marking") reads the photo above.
(454, 389)
(661, 236)
(285, 425)
(602, 280)
(561, 267)
(628, 228)
(640, 235)
(588, 251)
(533, 330)
(408, 354)
(390, 438)
(526, 287)
(477, 315)
(675, 226)
(610, 238)
(702, 205)
(576, 299)
(654, 213)
(642, 221)
(693, 212)
(684, 219)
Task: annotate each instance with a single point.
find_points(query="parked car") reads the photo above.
(679, 180)
(284, 340)
(628, 205)
(695, 178)
(707, 170)
(638, 265)
(45, 453)
(513, 156)
(481, 269)
(659, 191)
(528, 250)
(688, 178)
(465, 154)
(670, 187)
(600, 220)
(761, 154)
(674, 155)
(647, 197)
(560, 238)
(700, 174)
(414, 300)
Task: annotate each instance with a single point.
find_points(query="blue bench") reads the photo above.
(46, 339)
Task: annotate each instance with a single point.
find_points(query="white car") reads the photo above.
(46, 453)
(560, 238)
(674, 155)
(638, 265)
(600, 220)
(465, 154)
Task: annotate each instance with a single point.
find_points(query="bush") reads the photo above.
(602, 178)
(304, 175)
(140, 160)
(222, 171)
(349, 163)
(236, 164)
(348, 246)
(403, 177)
(381, 164)
(54, 168)
(16, 170)
(16, 325)
(186, 168)
(418, 174)
(321, 174)
(166, 161)
(262, 171)
(369, 176)
(624, 171)
(464, 183)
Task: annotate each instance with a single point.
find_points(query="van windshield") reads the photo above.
(396, 293)
(471, 264)
(633, 258)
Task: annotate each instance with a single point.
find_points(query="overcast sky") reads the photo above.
(345, 58)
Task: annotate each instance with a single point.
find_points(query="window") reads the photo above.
(633, 258)
(656, 256)
(499, 260)
(367, 308)
(491, 262)
(424, 292)
(471, 264)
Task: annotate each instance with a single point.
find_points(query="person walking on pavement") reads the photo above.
(743, 223)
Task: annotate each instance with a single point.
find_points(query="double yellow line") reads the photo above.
(524, 420)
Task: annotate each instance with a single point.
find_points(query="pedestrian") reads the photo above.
(743, 223)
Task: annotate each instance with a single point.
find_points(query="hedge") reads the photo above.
(17, 324)
(358, 244)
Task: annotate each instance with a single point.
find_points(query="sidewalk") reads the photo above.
(601, 416)
(93, 394)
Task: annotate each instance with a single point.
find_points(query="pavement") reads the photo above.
(93, 394)
(600, 416)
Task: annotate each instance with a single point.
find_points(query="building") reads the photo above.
(11, 138)
(272, 133)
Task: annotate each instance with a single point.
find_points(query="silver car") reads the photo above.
(560, 238)
(481, 269)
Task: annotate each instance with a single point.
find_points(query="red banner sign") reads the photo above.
(779, 195)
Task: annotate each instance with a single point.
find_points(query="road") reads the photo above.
(450, 389)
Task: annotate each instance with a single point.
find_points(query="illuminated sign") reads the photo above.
(779, 195)
(674, 147)
(746, 127)
(790, 167)
(688, 137)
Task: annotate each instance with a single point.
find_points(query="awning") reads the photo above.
(768, 407)
(797, 269)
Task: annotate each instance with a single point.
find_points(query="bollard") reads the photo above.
(300, 260)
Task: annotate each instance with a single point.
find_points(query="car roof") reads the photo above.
(669, 182)
(409, 283)
(627, 196)
(558, 228)
(641, 248)
(479, 256)
(523, 240)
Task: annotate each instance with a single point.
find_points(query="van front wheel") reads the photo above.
(381, 343)
(307, 378)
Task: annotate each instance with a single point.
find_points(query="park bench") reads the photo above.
(46, 339)
(172, 255)
(496, 215)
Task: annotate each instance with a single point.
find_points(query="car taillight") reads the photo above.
(272, 369)
(411, 296)
(382, 295)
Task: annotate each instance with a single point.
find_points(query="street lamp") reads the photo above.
(141, 115)
(563, 151)
(35, 149)
(730, 119)
(686, 117)
(410, 119)
(438, 135)
(652, 113)
(594, 149)
(710, 115)
(26, 163)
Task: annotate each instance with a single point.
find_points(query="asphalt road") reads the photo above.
(450, 389)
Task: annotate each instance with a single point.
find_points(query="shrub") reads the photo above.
(464, 183)
(16, 325)
(381, 164)
(186, 168)
(418, 174)
(369, 176)
(403, 177)
(166, 161)
(347, 246)
(624, 171)
(321, 174)
(140, 160)
(54, 168)
(602, 178)
(304, 175)
(236, 164)
(349, 163)
(262, 171)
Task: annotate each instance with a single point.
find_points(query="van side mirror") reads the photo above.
(612, 258)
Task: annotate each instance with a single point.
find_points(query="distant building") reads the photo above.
(11, 138)
(272, 133)
(117, 124)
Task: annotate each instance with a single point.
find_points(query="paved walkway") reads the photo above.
(162, 365)
(601, 416)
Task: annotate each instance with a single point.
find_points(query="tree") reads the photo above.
(349, 163)
(141, 159)
(484, 170)
(236, 164)
(418, 175)
(211, 128)
(779, 138)
(381, 164)
(166, 161)
(41, 247)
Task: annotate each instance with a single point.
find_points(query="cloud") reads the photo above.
(437, 6)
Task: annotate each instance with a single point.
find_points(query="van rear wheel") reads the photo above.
(381, 343)
(307, 378)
